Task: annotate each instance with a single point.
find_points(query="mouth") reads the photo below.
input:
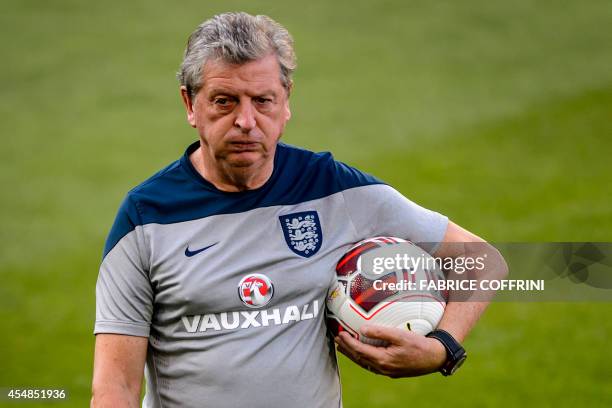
(244, 146)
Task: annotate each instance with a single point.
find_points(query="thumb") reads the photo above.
(392, 335)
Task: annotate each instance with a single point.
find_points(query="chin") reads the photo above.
(245, 159)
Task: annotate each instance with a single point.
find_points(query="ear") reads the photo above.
(287, 107)
(287, 111)
(188, 102)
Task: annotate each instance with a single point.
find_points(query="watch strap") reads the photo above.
(455, 353)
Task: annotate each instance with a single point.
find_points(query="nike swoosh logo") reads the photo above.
(189, 253)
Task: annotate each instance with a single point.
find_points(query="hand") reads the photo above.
(407, 354)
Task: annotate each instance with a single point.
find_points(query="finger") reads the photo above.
(391, 335)
(363, 362)
(362, 350)
(349, 350)
(346, 349)
(338, 340)
(350, 354)
(344, 339)
(346, 352)
(343, 336)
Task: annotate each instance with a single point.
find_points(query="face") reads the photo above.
(240, 113)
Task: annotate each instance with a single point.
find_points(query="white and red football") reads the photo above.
(356, 299)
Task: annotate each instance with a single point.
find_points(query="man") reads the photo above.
(216, 269)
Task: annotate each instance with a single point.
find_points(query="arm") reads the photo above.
(461, 316)
(118, 370)
(410, 354)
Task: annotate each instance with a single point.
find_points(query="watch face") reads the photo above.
(458, 364)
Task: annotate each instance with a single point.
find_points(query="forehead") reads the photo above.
(253, 76)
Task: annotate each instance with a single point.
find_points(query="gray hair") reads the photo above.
(236, 38)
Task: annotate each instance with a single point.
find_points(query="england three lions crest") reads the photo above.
(302, 232)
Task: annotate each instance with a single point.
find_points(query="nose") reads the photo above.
(245, 116)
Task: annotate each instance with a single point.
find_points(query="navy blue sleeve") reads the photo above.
(126, 221)
(350, 177)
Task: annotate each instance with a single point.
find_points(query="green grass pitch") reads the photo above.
(496, 113)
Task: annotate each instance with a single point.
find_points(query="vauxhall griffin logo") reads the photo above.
(255, 290)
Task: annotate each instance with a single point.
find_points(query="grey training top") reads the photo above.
(230, 287)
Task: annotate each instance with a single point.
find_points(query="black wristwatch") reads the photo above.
(455, 353)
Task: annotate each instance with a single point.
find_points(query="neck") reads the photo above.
(226, 177)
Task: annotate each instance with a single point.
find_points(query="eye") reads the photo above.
(221, 101)
(262, 101)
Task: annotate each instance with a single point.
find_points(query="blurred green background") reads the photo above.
(496, 113)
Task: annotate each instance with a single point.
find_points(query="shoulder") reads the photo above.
(135, 209)
(166, 181)
(320, 171)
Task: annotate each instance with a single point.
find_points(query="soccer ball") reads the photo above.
(357, 299)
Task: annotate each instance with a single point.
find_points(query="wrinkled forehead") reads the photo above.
(255, 75)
